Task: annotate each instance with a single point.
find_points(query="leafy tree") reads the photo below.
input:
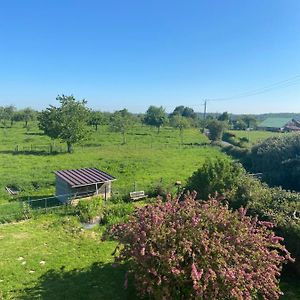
(189, 113)
(240, 124)
(96, 118)
(121, 121)
(67, 122)
(184, 111)
(156, 116)
(28, 114)
(251, 121)
(200, 250)
(224, 117)
(181, 123)
(216, 129)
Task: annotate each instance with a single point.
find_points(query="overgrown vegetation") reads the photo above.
(240, 189)
(200, 250)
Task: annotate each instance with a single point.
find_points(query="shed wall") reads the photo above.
(62, 190)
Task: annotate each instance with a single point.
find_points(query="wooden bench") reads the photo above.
(137, 195)
(12, 191)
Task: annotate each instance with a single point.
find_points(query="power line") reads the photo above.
(277, 85)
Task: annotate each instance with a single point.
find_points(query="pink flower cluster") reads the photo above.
(201, 250)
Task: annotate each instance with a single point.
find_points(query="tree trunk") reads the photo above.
(124, 137)
(181, 136)
(158, 129)
(96, 126)
(70, 147)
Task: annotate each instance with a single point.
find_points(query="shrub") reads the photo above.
(278, 159)
(216, 129)
(241, 189)
(89, 209)
(117, 213)
(201, 250)
(215, 176)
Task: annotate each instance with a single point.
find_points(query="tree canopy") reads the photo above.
(156, 116)
(67, 122)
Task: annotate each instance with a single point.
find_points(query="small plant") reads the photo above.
(27, 210)
(117, 213)
(201, 250)
(89, 209)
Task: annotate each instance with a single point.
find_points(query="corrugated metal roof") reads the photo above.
(84, 176)
(275, 122)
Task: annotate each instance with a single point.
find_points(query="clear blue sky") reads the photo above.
(132, 54)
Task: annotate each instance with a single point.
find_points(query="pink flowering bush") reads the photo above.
(200, 250)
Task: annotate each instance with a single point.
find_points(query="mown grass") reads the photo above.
(53, 258)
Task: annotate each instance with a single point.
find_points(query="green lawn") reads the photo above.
(52, 258)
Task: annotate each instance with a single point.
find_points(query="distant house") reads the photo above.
(82, 183)
(280, 125)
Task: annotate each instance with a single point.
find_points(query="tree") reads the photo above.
(249, 120)
(28, 114)
(96, 119)
(181, 123)
(156, 116)
(216, 129)
(67, 122)
(121, 121)
(184, 111)
(224, 117)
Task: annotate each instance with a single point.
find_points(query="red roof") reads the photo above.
(84, 176)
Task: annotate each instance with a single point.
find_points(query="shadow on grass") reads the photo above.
(99, 281)
(32, 152)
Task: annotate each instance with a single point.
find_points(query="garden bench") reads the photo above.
(12, 191)
(137, 195)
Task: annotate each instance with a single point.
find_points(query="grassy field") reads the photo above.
(146, 159)
(254, 136)
(52, 258)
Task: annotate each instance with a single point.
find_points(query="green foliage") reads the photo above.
(215, 176)
(67, 122)
(240, 189)
(156, 116)
(117, 213)
(121, 121)
(181, 123)
(216, 129)
(97, 118)
(89, 209)
(224, 117)
(278, 159)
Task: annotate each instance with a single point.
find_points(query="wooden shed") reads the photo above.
(82, 183)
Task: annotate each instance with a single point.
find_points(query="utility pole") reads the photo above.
(204, 114)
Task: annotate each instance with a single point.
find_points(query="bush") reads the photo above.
(215, 176)
(201, 250)
(117, 213)
(89, 209)
(278, 159)
(216, 129)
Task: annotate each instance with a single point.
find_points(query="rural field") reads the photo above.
(51, 256)
(146, 159)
